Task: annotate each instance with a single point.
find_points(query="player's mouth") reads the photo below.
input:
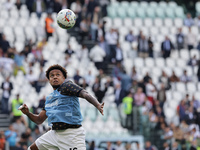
(55, 81)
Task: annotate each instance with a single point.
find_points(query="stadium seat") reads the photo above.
(111, 12)
(172, 4)
(153, 4)
(170, 62)
(160, 12)
(131, 12)
(194, 52)
(179, 12)
(19, 46)
(134, 4)
(128, 22)
(195, 30)
(184, 54)
(173, 31)
(160, 62)
(156, 72)
(143, 4)
(180, 86)
(141, 12)
(124, 4)
(148, 22)
(158, 22)
(175, 54)
(168, 22)
(162, 4)
(153, 31)
(138, 22)
(149, 62)
(169, 12)
(176, 95)
(185, 30)
(181, 63)
(164, 30)
(138, 62)
(150, 12)
(121, 12)
(178, 22)
(117, 22)
(197, 7)
(191, 87)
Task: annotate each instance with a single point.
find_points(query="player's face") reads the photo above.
(56, 78)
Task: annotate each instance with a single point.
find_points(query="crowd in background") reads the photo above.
(129, 89)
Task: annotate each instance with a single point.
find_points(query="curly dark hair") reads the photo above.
(62, 69)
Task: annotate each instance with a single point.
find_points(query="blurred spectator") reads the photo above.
(184, 77)
(84, 29)
(83, 53)
(112, 38)
(26, 138)
(139, 97)
(188, 21)
(119, 94)
(197, 21)
(11, 137)
(77, 77)
(57, 6)
(191, 39)
(128, 102)
(104, 4)
(190, 116)
(150, 49)
(194, 145)
(119, 53)
(41, 104)
(18, 4)
(175, 146)
(76, 7)
(29, 5)
(69, 51)
(168, 134)
(19, 62)
(146, 78)
(92, 4)
(148, 146)
(39, 7)
(119, 146)
(198, 71)
(98, 90)
(8, 5)
(92, 146)
(128, 146)
(134, 74)
(143, 47)
(193, 61)
(180, 39)
(41, 81)
(37, 52)
(161, 94)
(4, 44)
(19, 127)
(6, 87)
(83, 83)
(130, 37)
(97, 55)
(151, 91)
(153, 119)
(2, 140)
(181, 109)
(109, 146)
(32, 78)
(166, 47)
(49, 25)
(165, 80)
(174, 77)
(36, 133)
(16, 103)
(89, 77)
(7, 65)
(95, 20)
(101, 75)
(166, 146)
(125, 82)
(104, 45)
(198, 46)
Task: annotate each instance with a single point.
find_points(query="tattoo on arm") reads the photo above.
(84, 94)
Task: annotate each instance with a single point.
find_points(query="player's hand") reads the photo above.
(24, 109)
(100, 108)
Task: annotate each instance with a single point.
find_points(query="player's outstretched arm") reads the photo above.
(92, 100)
(38, 119)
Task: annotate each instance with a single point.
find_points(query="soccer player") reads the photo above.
(62, 109)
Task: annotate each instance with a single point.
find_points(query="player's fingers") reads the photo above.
(102, 104)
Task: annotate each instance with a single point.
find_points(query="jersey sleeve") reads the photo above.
(69, 88)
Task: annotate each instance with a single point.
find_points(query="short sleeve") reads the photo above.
(69, 88)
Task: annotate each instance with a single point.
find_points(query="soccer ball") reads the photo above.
(66, 18)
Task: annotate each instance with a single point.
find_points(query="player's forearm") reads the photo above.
(89, 98)
(35, 118)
